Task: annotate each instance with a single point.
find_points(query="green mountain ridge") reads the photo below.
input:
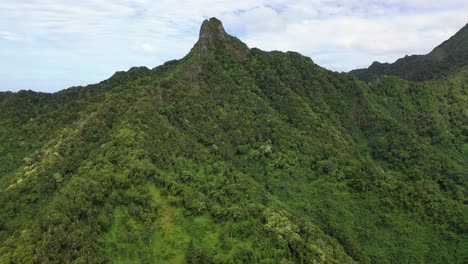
(446, 58)
(236, 155)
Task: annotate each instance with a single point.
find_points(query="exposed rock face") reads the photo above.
(211, 35)
(212, 30)
(214, 39)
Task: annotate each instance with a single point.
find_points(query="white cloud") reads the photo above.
(10, 36)
(145, 48)
(148, 48)
(5, 35)
(373, 38)
(103, 36)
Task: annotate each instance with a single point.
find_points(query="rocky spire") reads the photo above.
(212, 30)
(213, 38)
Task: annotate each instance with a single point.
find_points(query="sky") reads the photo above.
(50, 45)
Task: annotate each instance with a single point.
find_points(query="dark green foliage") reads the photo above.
(232, 155)
(445, 59)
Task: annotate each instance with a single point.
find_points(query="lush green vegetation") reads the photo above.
(232, 155)
(445, 59)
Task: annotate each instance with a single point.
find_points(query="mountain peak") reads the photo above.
(213, 38)
(212, 29)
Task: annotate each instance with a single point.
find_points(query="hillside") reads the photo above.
(445, 59)
(236, 155)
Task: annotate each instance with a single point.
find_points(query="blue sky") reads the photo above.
(50, 45)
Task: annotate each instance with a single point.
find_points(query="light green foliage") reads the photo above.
(233, 155)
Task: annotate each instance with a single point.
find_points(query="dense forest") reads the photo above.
(236, 155)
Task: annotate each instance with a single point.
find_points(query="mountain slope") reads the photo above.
(231, 155)
(446, 58)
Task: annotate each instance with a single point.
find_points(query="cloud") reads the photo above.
(5, 35)
(145, 48)
(86, 41)
(343, 36)
(10, 36)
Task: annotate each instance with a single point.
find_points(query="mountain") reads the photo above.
(236, 155)
(446, 58)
